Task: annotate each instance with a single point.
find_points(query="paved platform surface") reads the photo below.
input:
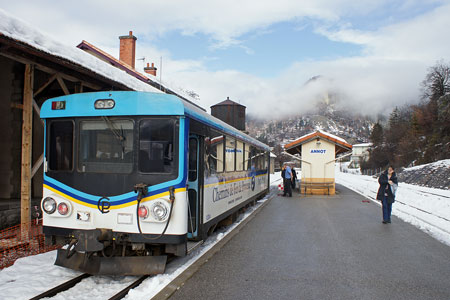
(324, 247)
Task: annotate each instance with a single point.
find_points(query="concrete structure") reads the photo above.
(360, 152)
(322, 248)
(318, 151)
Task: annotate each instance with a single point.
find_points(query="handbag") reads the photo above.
(394, 188)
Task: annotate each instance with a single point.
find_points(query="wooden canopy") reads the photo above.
(295, 147)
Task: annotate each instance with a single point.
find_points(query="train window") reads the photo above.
(253, 159)
(106, 146)
(247, 159)
(239, 156)
(230, 154)
(260, 163)
(60, 152)
(156, 145)
(214, 153)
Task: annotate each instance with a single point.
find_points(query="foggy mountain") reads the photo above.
(328, 112)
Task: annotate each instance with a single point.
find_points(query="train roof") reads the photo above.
(138, 103)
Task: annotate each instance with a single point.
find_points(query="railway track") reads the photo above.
(74, 281)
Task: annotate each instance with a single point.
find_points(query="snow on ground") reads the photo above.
(445, 163)
(426, 208)
(30, 276)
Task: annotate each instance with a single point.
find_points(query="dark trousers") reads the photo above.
(387, 209)
(287, 187)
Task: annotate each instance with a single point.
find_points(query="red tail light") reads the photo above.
(63, 209)
(143, 212)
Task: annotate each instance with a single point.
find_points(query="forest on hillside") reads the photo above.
(416, 134)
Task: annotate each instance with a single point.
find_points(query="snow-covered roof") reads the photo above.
(19, 30)
(342, 145)
(332, 136)
(362, 145)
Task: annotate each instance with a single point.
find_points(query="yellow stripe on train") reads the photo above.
(134, 202)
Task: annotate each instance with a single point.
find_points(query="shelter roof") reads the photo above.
(341, 145)
(227, 102)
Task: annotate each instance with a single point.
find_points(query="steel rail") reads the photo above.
(125, 291)
(62, 287)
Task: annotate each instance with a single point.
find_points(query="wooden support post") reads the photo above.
(46, 84)
(37, 165)
(63, 85)
(27, 140)
(78, 87)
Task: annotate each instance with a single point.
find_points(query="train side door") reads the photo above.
(193, 186)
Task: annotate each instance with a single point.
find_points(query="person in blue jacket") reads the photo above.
(386, 192)
(287, 180)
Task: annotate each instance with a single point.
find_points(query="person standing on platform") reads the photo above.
(294, 177)
(386, 192)
(287, 181)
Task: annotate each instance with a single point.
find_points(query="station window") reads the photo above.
(156, 145)
(230, 154)
(239, 156)
(214, 153)
(60, 156)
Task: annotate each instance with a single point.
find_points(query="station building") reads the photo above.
(317, 152)
(360, 153)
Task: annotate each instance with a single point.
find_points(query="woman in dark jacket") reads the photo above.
(386, 192)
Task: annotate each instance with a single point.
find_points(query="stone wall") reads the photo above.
(434, 175)
(10, 212)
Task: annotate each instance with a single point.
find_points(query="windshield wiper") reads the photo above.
(119, 135)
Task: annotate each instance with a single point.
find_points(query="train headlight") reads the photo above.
(143, 212)
(104, 104)
(63, 208)
(49, 205)
(159, 211)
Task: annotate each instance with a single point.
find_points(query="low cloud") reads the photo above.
(388, 73)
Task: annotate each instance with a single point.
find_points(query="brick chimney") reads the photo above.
(150, 70)
(128, 49)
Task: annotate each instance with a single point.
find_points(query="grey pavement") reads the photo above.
(324, 247)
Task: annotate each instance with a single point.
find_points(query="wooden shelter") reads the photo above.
(317, 152)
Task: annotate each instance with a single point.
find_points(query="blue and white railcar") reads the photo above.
(130, 177)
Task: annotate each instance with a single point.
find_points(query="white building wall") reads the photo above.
(318, 161)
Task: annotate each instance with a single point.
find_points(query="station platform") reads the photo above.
(324, 247)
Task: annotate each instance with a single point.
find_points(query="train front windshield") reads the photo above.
(108, 156)
(106, 146)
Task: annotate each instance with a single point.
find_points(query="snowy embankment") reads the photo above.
(30, 276)
(425, 208)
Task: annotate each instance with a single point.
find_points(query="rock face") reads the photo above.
(434, 175)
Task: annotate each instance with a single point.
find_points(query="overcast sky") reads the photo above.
(261, 53)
